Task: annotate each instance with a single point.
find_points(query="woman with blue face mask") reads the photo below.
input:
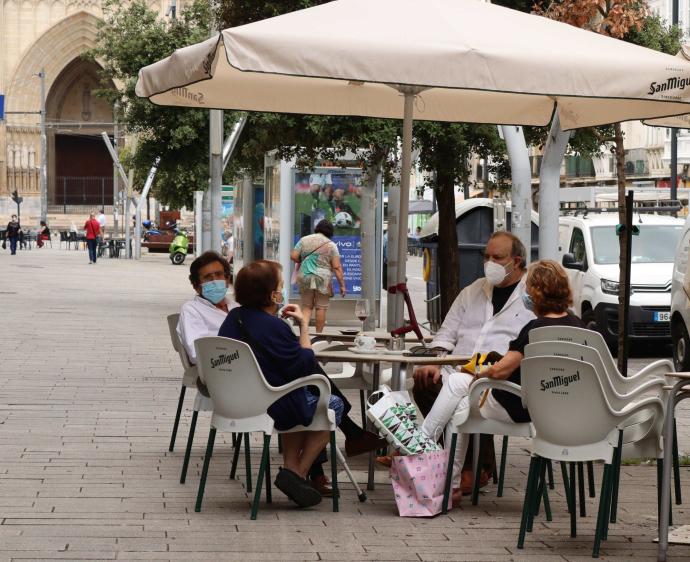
(284, 357)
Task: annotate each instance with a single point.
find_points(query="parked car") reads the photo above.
(680, 303)
(589, 248)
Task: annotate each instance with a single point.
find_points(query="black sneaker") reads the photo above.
(297, 488)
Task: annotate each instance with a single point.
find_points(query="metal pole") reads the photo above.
(368, 242)
(231, 141)
(198, 203)
(248, 226)
(625, 287)
(521, 192)
(549, 186)
(116, 187)
(44, 150)
(127, 218)
(116, 160)
(674, 131)
(392, 253)
(142, 198)
(674, 164)
(216, 146)
(405, 169)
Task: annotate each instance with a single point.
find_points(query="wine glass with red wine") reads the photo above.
(362, 311)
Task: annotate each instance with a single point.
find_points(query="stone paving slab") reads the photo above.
(88, 389)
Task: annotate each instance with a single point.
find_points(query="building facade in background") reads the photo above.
(54, 35)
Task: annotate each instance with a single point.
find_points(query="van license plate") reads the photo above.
(662, 317)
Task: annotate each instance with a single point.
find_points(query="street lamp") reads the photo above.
(43, 177)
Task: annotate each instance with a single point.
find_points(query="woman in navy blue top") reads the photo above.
(284, 357)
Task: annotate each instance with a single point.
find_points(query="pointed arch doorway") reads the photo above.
(80, 170)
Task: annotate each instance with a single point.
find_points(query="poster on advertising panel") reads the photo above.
(333, 194)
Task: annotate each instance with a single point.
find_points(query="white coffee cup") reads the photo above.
(365, 343)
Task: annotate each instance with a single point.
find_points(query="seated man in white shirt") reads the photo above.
(485, 316)
(203, 315)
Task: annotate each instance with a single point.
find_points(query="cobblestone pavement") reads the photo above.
(88, 388)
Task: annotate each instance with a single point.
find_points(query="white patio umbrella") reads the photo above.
(452, 60)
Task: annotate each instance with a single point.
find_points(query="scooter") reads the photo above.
(179, 247)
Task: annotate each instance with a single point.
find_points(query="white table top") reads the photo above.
(336, 334)
(337, 353)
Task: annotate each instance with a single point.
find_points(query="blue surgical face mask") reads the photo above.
(214, 291)
(527, 301)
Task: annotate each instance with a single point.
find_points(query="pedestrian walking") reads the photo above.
(13, 230)
(317, 258)
(93, 231)
(101, 222)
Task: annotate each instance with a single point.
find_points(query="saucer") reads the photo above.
(363, 351)
(396, 351)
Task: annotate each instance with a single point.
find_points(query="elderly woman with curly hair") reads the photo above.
(549, 295)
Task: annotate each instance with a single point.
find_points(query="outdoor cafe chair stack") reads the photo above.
(472, 422)
(575, 422)
(241, 396)
(622, 385)
(639, 437)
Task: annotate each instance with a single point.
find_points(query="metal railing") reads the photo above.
(88, 190)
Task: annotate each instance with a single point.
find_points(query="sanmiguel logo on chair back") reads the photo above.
(559, 380)
(224, 359)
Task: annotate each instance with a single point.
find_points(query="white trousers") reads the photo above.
(454, 399)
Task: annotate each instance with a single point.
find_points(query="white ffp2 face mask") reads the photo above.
(495, 273)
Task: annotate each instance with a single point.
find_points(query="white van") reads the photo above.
(589, 250)
(680, 303)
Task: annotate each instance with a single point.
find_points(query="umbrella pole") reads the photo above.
(405, 169)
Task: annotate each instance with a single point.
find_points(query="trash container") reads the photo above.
(475, 224)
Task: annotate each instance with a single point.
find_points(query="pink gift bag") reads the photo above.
(418, 483)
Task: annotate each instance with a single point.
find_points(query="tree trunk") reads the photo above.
(622, 281)
(448, 256)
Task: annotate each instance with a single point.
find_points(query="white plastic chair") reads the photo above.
(189, 374)
(651, 385)
(241, 397)
(574, 422)
(353, 377)
(590, 338)
(471, 421)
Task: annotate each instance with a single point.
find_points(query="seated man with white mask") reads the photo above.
(485, 316)
(203, 316)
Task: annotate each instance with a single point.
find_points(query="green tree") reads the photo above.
(444, 152)
(131, 37)
(628, 20)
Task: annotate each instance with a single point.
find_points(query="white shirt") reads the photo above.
(471, 326)
(101, 220)
(199, 318)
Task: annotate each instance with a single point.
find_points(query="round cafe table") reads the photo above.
(345, 335)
